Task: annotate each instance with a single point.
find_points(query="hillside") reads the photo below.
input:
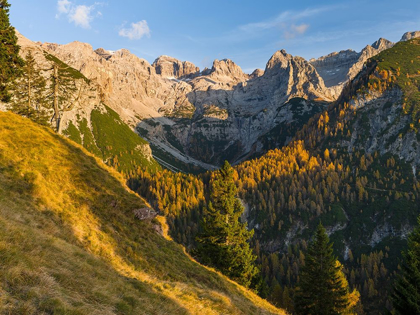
(354, 167)
(70, 242)
(86, 119)
(109, 138)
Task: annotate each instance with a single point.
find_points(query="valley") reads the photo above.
(137, 187)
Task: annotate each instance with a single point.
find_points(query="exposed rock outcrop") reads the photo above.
(227, 70)
(334, 67)
(338, 68)
(145, 213)
(169, 67)
(410, 35)
(256, 73)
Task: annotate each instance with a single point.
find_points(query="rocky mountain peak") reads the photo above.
(170, 67)
(228, 68)
(122, 53)
(334, 57)
(410, 35)
(280, 57)
(382, 44)
(256, 73)
(338, 68)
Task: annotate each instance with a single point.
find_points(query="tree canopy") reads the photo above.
(322, 288)
(223, 243)
(406, 295)
(10, 62)
(29, 97)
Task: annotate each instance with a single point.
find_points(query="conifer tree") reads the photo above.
(223, 243)
(321, 289)
(10, 62)
(67, 87)
(352, 297)
(29, 97)
(406, 295)
(63, 87)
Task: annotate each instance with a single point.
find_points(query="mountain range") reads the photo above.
(333, 139)
(194, 118)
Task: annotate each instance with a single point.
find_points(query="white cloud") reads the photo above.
(80, 15)
(285, 18)
(63, 7)
(300, 29)
(136, 31)
(282, 23)
(295, 30)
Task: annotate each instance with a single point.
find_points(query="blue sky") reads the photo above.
(248, 32)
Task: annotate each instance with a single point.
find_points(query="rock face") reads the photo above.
(205, 117)
(106, 54)
(256, 73)
(169, 67)
(334, 67)
(384, 127)
(338, 68)
(410, 35)
(145, 213)
(227, 70)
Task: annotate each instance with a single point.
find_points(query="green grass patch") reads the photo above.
(118, 144)
(75, 74)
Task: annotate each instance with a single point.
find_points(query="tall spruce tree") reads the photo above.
(406, 295)
(321, 289)
(67, 88)
(63, 87)
(10, 62)
(29, 90)
(223, 243)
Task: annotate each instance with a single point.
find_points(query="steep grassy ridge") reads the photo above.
(112, 140)
(69, 242)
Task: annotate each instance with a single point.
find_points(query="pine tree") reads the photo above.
(223, 243)
(321, 289)
(63, 86)
(352, 297)
(29, 92)
(10, 62)
(406, 295)
(66, 89)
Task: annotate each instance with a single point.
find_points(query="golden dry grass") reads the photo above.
(70, 244)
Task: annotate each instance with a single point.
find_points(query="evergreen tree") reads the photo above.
(321, 289)
(67, 87)
(406, 295)
(10, 62)
(63, 86)
(223, 243)
(29, 92)
(352, 297)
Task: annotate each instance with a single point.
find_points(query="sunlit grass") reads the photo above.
(70, 244)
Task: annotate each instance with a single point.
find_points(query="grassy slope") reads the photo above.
(69, 243)
(112, 140)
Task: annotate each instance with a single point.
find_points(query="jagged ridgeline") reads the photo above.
(354, 167)
(70, 242)
(194, 119)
